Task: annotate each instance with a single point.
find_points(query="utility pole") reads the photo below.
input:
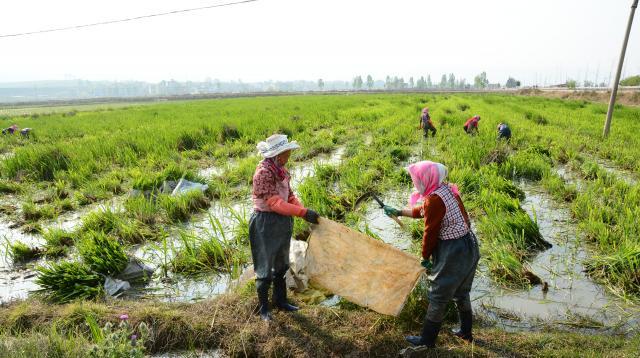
(614, 90)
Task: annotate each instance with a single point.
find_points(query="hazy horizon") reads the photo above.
(305, 40)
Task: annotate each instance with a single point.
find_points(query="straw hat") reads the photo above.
(275, 145)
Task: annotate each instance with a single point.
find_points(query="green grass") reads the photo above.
(20, 252)
(57, 242)
(47, 331)
(103, 254)
(66, 281)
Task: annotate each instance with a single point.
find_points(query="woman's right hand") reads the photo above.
(391, 211)
(311, 216)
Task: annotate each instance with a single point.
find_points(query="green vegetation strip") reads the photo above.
(31, 329)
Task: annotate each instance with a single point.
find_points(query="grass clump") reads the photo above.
(33, 212)
(118, 225)
(620, 270)
(21, 252)
(179, 208)
(526, 164)
(66, 281)
(9, 187)
(57, 242)
(198, 255)
(103, 254)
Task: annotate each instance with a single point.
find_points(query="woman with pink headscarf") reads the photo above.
(449, 248)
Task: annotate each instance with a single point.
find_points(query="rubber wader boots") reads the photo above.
(280, 295)
(430, 332)
(466, 322)
(262, 287)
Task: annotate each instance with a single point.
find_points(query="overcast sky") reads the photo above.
(545, 40)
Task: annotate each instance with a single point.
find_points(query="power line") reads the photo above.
(126, 19)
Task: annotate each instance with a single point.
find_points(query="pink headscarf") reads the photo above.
(427, 176)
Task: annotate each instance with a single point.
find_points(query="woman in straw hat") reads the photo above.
(271, 224)
(449, 241)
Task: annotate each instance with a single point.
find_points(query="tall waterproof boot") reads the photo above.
(280, 295)
(262, 287)
(430, 332)
(466, 322)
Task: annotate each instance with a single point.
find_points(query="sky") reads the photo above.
(538, 42)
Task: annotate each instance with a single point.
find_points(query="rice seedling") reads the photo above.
(20, 252)
(66, 281)
(33, 212)
(179, 208)
(57, 242)
(8, 187)
(103, 254)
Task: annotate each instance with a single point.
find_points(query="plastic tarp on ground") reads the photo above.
(365, 271)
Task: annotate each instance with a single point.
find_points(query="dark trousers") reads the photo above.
(427, 129)
(454, 267)
(270, 237)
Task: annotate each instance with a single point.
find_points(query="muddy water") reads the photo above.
(382, 225)
(301, 171)
(573, 299)
(624, 175)
(15, 280)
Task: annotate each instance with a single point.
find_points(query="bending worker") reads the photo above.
(471, 125)
(426, 124)
(504, 132)
(271, 224)
(447, 240)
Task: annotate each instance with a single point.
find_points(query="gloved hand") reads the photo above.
(426, 264)
(311, 216)
(390, 211)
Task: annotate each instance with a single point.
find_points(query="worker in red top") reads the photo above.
(271, 224)
(449, 242)
(471, 125)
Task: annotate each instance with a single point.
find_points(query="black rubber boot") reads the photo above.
(430, 332)
(280, 295)
(466, 323)
(262, 287)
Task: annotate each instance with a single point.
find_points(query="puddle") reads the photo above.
(570, 177)
(573, 299)
(16, 284)
(301, 171)
(211, 172)
(624, 175)
(177, 288)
